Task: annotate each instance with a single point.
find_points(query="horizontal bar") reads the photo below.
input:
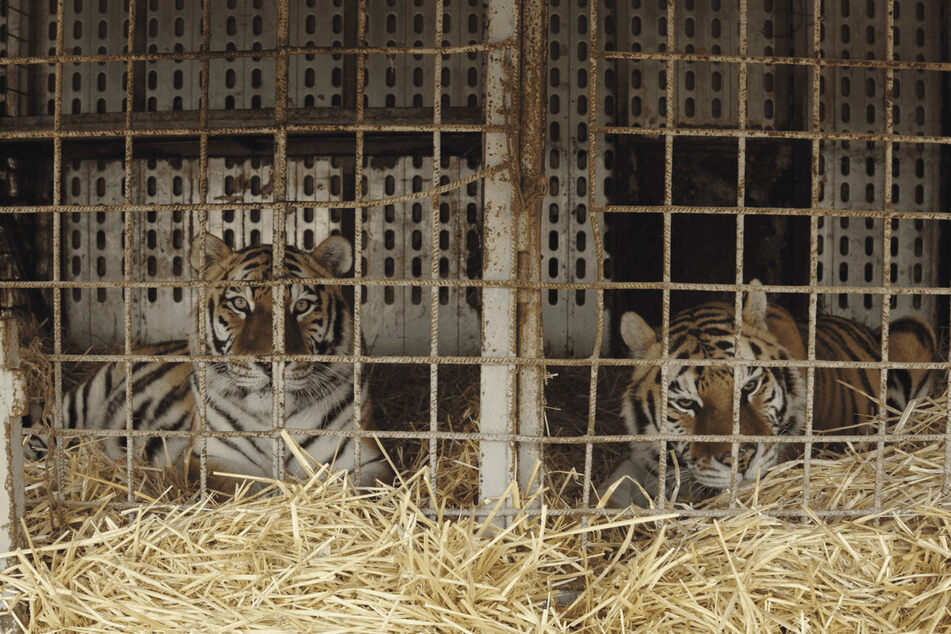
(474, 283)
(907, 214)
(774, 60)
(255, 119)
(291, 128)
(680, 512)
(488, 360)
(448, 435)
(475, 48)
(330, 144)
(258, 53)
(752, 133)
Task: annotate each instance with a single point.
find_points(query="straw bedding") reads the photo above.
(315, 556)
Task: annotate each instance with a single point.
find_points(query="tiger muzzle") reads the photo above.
(744, 458)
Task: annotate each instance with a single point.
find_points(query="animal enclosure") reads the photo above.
(513, 177)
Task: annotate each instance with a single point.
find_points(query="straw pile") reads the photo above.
(316, 556)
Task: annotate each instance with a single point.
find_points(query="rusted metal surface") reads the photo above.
(531, 187)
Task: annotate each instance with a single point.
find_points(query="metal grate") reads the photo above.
(851, 101)
(397, 123)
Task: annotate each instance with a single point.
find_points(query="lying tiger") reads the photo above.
(318, 396)
(772, 400)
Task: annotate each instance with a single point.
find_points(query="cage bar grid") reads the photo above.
(502, 436)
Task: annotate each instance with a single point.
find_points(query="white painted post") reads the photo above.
(12, 407)
(498, 394)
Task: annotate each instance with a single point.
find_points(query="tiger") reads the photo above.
(772, 399)
(239, 394)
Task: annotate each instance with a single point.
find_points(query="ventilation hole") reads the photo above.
(844, 272)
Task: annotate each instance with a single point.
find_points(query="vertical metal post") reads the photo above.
(12, 407)
(531, 146)
(497, 391)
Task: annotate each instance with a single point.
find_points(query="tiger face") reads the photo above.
(240, 320)
(700, 398)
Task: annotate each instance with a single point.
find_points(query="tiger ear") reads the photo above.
(637, 335)
(335, 254)
(215, 251)
(754, 307)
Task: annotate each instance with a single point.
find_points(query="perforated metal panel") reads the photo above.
(397, 245)
(852, 100)
(13, 43)
(94, 315)
(407, 80)
(397, 238)
(567, 245)
(315, 80)
(173, 26)
(162, 238)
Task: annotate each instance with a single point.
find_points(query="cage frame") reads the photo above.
(512, 360)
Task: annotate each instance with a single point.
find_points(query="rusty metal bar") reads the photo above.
(434, 252)
(502, 284)
(260, 53)
(679, 513)
(57, 269)
(350, 204)
(598, 250)
(821, 62)
(740, 226)
(730, 133)
(824, 62)
(278, 241)
(508, 437)
(492, 360)
(128, 268)
(358, 236)
(661, 501)
(120, 131)
(199, 423)
(531, 149)
(886, 241)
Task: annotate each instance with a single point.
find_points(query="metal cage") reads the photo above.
(514, 176)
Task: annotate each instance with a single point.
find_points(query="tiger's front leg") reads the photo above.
(635, 480)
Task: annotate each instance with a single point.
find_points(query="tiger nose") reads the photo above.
(264, 366)
(743, 459)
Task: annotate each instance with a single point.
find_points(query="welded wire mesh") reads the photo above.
(268, 96)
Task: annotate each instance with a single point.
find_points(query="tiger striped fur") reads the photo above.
(318, 395)
(772, 399)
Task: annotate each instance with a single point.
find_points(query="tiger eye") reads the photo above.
(302, 305)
